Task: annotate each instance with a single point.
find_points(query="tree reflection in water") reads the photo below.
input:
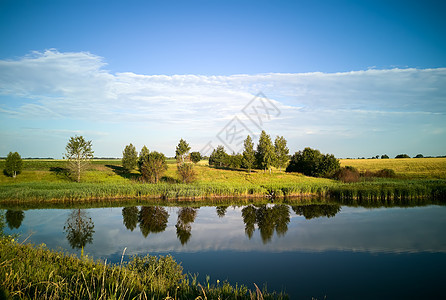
(79, 229)
(317, 210)
(221, 211)
(186, 216)
(268, 220)
(130, 217)
(14, 218)
(152, 219)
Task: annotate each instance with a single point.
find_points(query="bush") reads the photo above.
(186, 172)
(312, 162)
(387, 173)
(347, 174)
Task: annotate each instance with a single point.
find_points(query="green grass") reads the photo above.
(35, 272)
(46, 180)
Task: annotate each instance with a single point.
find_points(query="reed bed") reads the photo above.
(390, 189)
(35, 272)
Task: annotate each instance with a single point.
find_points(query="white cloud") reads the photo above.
(51, 85)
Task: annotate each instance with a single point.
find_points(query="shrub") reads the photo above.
(347, 174)
(186, 172)
(387, 173)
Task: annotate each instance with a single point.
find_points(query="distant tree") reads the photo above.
(129, 157)
(384, 156)
(182, 150)
(419, 156)
(186, 172)
(13, 164)
(218, 157)
(249, 157)
(402, 156)
(78, 153)
(152, 166)
(265, 154)
(282, 152)
(312, 162)
(195, 157)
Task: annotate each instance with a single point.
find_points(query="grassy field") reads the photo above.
(44, 180)
(409, 168)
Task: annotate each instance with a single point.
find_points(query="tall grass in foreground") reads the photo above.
(29, 272)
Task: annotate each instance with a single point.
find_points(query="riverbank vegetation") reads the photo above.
(35, 272)
(44, 180)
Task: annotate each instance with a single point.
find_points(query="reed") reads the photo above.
(35, 272)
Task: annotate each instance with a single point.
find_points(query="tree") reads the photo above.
(195, 157)
(218, 157)
(384, 156)
(186, 172)
(402, 156)
(282, 151)
(129, 157)
(182, 150)
(152, 166)
(235, 160)
(249, 157)
(78, 153)
(419, 156)
(13, 164)
(312, 162)
(144, 152)
(265, 154)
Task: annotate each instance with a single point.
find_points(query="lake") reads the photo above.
(329, 251)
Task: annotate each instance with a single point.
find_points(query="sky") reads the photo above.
(351, 78)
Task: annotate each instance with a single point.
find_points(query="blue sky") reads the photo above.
(352, 78)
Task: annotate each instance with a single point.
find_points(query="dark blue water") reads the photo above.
(330, 252)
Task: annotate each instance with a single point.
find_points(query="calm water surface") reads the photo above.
(331, 251)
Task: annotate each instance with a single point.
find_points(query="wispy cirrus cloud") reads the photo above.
(60, 86)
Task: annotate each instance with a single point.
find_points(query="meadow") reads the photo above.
(48, 180)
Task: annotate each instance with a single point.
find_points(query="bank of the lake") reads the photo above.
(47, 180)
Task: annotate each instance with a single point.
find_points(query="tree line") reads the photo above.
(152, 164)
